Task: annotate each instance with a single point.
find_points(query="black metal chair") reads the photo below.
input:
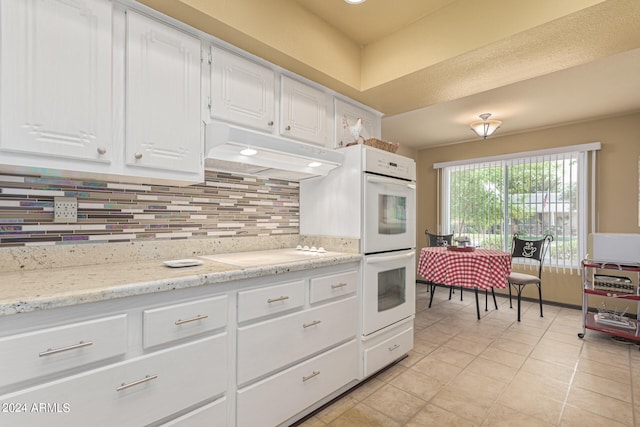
(528, 249)
(438, 240)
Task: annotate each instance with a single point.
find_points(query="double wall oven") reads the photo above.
(372, 197)
(388, 239)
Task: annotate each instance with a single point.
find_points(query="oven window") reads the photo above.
(392, 214)
(391, 288)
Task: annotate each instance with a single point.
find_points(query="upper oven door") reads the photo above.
(389, 214)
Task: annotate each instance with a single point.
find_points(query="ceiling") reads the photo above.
(432, 66)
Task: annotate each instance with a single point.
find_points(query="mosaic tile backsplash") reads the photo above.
(225, 205)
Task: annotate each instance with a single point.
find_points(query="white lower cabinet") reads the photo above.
(269, 345)
(47, 351)
(177, 321)
(298, 387)
(333, 286)
(210, 415)
(392, 346)
(131, 393)
(270, 300)
(209, 357)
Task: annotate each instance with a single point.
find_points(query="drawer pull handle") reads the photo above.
(308, 325)
(51, 351)
(282, 298)
(339, 285)
(308, 377)
(193, 319)
(135, 383)
(394, 347)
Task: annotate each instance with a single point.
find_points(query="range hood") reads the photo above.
(274, 157)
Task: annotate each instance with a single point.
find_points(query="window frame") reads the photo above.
(584, 197)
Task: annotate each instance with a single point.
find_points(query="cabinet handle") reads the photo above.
(138, 155)
(124, 386)
(282, 298)
(315, 322)
(102, 150)
(270, 123)
(193, 319)
(51, 351)
(339, 285)
(287, 128)
(394, 347)
(308, 377)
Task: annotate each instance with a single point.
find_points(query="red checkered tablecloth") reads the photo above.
(484, 268)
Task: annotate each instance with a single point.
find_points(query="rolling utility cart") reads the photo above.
(614, 280)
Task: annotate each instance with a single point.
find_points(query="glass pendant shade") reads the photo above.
(486, 127)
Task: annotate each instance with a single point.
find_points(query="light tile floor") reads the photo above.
(497, 372)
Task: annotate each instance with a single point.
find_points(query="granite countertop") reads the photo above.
(25, 291)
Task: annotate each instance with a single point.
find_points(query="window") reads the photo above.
(533, 195)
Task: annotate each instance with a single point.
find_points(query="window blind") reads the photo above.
(532, 194)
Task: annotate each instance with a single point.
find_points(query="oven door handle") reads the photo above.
(380, 259)
(391, 181)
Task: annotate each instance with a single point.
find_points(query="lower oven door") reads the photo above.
(388, 289)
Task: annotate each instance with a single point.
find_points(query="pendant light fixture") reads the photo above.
(486, 127)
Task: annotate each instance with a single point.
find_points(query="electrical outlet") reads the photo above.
(65, 209)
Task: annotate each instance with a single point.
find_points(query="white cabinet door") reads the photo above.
(286, 339)
(303, 385)
(346, 119)
(131, 393)
(241, 91)
(163, 129)
(303, 112)
(56, 80)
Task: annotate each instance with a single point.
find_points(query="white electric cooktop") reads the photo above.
(261, 258)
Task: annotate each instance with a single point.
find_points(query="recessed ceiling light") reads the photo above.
(248, 152)
(354, 1)
(314, 164)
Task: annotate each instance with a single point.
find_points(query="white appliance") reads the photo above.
(371, 198)
(389, 289)
(239, 150)
(389, 214)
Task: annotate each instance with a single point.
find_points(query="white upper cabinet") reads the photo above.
(346, 121)
(163, 127)
(56, 79)
(303, 112)
(242, 91)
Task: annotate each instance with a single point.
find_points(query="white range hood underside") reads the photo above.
(275, 157)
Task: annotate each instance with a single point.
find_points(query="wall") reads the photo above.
(224, 205)
(616, 181)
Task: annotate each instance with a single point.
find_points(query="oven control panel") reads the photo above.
(389, 164)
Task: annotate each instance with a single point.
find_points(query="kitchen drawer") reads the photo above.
(303, 385)
(160, 384)
(262, 302)
(380, 355)
(166, 324)
(47, 351)
(336, 285)
(211, 415)
(276, 343)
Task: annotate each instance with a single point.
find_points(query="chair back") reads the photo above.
(438, 239)
(531, 249)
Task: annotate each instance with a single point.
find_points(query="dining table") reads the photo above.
(470, 267)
